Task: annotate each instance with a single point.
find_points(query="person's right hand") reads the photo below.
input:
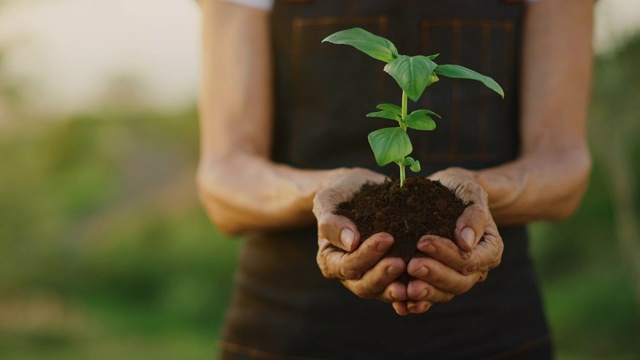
(359, 265)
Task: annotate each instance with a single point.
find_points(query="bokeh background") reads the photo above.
(105, 252)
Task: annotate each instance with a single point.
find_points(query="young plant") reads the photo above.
(413, 74)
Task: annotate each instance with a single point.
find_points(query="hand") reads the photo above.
(359, 265)
(476, 218)
(453, 267)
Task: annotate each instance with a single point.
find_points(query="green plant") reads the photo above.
(413, 74)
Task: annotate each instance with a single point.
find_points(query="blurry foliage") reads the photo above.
(615, 141)
(100, 224)
(11, 94)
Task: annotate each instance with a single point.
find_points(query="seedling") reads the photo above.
(413, 74)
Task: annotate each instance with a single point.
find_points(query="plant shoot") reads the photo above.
(413, 74)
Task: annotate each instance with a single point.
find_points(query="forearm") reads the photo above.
(549, 178)
(244, 193)
(239, 186)
(544, 186)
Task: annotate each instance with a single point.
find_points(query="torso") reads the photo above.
(283, 307)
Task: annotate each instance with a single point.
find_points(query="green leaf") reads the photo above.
(389, 111)
(426, 112)
(385, 115)
(434, 56)
(390, 107)
(414, 165)
(419, 120)
(461, 72)
(412, 73)
(390, 145)
(373, 45)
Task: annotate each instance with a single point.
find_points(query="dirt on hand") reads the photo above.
(419, 208)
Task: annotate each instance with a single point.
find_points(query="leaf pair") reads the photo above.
(412, 73)
(419, 119)
(393, 144)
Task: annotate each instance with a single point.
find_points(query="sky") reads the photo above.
(69, 51)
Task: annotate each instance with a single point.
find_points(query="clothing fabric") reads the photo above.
(282, 307)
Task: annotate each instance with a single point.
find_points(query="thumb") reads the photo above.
(467, 239)
(470, 227)
(339, 231)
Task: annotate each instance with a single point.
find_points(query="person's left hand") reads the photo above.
(454, 267)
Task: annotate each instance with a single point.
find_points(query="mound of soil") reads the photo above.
(419, 208)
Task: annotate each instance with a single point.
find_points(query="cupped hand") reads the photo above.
(360, 265)
(447, 270)
(453, 267)
(476, 219)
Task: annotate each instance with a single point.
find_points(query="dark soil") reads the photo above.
(419, 208)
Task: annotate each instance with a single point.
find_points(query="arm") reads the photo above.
(239, 187)
(548, 179)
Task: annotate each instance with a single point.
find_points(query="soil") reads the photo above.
(419, 208)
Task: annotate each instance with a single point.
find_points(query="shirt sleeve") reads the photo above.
(257, 4)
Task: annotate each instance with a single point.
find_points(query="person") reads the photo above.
(283, 140)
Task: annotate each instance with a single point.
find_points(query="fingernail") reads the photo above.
(424, 307)
(392, 270)
(382, 246)
(346, 237)
(411, 305)
(430, 249)
(468, 236)
(422, 272)
(423, 294)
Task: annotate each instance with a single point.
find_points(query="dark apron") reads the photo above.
(283, 308)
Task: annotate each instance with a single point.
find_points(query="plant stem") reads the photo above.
(402, 173)
(404, 105)
(404, 115)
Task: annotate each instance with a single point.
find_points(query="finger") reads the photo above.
(374, 282)
(488, 253)
(418, 307)
(444, 250)
(342, 189)
(420, 290)
(441, 276)
(339, 230)
(335, 263)
(401, 308)
(463, 184)
(485, 256)
(396, 291)
(470, 226)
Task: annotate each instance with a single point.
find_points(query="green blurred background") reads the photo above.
(105, 252)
